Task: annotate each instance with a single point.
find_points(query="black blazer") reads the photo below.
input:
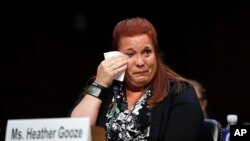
(177, 118)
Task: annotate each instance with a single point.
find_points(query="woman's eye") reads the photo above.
(129, 55)
(147, 51)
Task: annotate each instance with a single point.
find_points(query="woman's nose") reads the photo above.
(139, 61)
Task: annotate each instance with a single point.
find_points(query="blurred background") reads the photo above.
(51, 48)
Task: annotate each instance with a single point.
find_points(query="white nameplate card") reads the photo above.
(50, 129)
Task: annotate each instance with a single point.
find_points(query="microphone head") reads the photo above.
(116, 89)
(150, 70)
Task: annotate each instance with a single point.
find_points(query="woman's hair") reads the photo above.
(163, 75)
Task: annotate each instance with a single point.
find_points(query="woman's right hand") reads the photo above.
(109, 68)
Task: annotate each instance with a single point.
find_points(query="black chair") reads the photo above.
(214, 128)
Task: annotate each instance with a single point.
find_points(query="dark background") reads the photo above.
(50, 49)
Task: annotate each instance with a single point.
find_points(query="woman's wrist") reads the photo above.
(101, 83)
(96, 90)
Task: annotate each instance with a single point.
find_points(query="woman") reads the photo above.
(153, 102)
(201, 94)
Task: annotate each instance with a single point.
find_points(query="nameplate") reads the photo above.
(51, 129)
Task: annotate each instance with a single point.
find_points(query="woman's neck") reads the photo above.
(133, 94)
(139, 90)
(132, 97)
(134, 89)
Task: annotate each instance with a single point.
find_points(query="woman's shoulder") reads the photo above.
(182, 91)
(178, 86)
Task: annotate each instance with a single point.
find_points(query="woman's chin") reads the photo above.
(138, 81)
(141, 82)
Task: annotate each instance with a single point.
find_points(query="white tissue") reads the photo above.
(120, 76)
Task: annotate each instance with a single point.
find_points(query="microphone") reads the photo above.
(150, 70)
(116, 90)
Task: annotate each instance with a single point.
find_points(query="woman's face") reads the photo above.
(142, 60)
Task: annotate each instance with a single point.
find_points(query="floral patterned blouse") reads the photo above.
(128, 125)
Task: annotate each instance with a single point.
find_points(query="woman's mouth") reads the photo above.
(141, 73)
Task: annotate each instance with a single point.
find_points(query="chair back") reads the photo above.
(215, 129)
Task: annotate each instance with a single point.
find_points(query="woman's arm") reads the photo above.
(186, 118)
(88, 107)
